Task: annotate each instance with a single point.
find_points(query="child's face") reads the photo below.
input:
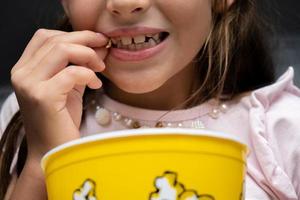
(188, 23)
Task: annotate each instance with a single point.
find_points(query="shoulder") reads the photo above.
(275, 108)
(9, 108)
(278, 101)
(274, 117)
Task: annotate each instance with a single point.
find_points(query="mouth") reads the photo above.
(139, 42)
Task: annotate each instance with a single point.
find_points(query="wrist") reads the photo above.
(37, 149)
(31, 184)
(32, 168)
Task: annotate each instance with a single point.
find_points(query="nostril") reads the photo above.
(116, 12)
(137, 9)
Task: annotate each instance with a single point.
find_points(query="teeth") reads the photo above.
(135, 47)
(152, 42)
(156, 37)
(131, 47)
(139, 39)
(119, 45)
(136, 43)
(126, 40)
(114, 40)
(139, 46)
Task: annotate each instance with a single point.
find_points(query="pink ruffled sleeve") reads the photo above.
(275, 137)
(8, 110)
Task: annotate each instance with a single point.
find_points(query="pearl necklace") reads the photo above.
(105, 116)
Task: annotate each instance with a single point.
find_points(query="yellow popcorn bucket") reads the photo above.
(148, 164)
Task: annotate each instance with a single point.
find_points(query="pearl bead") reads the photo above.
(224, 108)
(128, 123)
(169, 124)
(109, 44)
(102, 116)
(117, 116)
(215, 113)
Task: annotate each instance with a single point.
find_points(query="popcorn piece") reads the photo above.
(168, 188)
(109, 44)
(86, 192)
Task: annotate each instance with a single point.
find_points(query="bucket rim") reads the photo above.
(143, 132)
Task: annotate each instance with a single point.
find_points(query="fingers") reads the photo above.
(67, 79)
(85, 38)
(64, 53)
(35, 43)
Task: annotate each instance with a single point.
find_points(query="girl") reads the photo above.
(195, 64)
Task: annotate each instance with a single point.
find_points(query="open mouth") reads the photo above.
(139, 42)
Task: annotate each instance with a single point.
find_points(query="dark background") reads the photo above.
(19, 20)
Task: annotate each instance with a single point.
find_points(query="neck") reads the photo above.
(171, 95)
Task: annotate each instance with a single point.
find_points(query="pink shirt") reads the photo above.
(267, 119)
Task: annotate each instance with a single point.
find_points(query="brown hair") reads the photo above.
(234, 59)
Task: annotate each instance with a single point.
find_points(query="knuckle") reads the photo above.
(17, 78)
(54, 39)
(15, 69)
(51, 41)
(72, 71)
(42, 33)
(89, 52)
(14, 78)
(92, 54)
(12, 71)
(20, 86)
(61, 47)
(77, 71)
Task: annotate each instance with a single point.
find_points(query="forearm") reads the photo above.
(31, 183)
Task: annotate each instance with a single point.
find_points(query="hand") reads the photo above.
(49, 92)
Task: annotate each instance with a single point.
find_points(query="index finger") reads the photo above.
(38, 39)
(85, 38)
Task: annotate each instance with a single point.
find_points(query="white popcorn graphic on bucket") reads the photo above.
(86, 191)
(168, 188)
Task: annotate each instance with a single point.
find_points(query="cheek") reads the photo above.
(182, 13)
(191, 27)
(196, 22)
(191, 22)
(83, 14)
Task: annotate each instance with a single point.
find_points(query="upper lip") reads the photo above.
(132, 32)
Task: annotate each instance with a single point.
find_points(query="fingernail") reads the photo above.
(101, 35)
(101, 68)
(99, 83)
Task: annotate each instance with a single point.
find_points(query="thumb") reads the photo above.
(101, 52)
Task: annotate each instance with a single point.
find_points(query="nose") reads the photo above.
(127, 8)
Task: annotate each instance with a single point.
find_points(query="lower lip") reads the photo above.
(125, 55)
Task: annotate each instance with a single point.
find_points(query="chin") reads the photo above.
(136, 84)
(138, 87)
